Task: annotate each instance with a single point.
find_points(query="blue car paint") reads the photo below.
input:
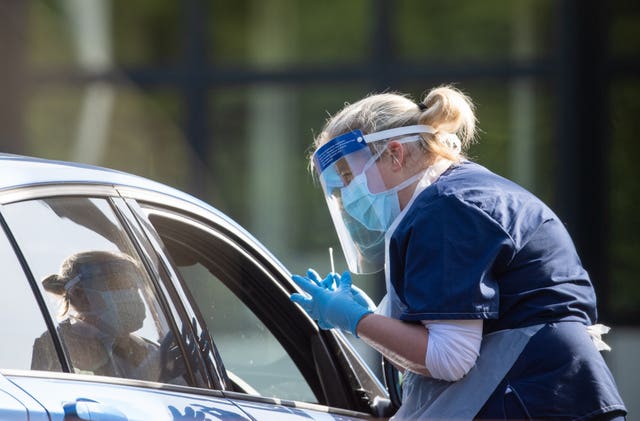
(16, 404)
(105, 401)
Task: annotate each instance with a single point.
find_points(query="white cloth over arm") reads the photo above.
(453, 348)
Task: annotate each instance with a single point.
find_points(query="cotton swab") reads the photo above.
(333, 269)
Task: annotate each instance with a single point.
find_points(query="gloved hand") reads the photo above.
(326, 283)
(359, 295)
(331, 307)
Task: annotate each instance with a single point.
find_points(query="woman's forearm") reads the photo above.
(404, 344)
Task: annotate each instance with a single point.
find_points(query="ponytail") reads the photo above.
(450, 112)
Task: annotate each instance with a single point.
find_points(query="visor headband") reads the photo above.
(350, 142)
(398, 131)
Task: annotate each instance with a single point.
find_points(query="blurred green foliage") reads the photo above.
(467, 29)
(147, 32)
(625, 196)
(318, 32)
(146, 135)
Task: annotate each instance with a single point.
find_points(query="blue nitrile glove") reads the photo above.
(331, 308)
(362, 298)
(359, 295)
(326, 283)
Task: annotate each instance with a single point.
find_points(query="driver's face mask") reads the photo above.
(119, 311)
(361, 206)
(113, 300)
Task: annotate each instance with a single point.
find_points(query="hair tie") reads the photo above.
(422, 106)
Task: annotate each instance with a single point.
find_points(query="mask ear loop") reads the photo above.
(71, 283)
(378, 154)
(403, 140)
(67, 287)
(373, 159)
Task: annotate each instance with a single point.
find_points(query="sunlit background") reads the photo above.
(222, 99)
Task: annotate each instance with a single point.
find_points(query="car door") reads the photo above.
(51, 370)
(272, 354)
(45, 373)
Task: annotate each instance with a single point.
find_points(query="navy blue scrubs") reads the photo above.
(474, 245)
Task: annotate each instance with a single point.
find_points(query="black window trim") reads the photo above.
(209, 358)
(178, 317)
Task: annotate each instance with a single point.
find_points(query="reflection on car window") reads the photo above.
(100, 297)
(255, 360)
(108, 316)
(21, 317)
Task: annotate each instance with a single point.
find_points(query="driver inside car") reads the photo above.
(102, 308)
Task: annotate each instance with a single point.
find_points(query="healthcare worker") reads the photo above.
(488, 310)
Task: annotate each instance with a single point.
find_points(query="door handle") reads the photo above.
(87, 409)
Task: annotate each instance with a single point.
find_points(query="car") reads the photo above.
(217, 338)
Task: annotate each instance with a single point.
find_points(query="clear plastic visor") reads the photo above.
(338, 163)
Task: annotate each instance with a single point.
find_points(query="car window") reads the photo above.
(22, 320)
(223, 282)
(105, 306)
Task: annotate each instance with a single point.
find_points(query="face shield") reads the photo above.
(361, 205)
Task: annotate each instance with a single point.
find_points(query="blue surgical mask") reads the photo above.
(376, 211)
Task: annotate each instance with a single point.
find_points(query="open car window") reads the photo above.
(239, 302)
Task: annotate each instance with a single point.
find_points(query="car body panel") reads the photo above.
(105, 400)
(16, 404)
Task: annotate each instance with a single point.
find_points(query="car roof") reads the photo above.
(18, 171)
(22, 171)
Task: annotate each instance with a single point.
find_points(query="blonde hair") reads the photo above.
(445, 108)
(82, 263)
